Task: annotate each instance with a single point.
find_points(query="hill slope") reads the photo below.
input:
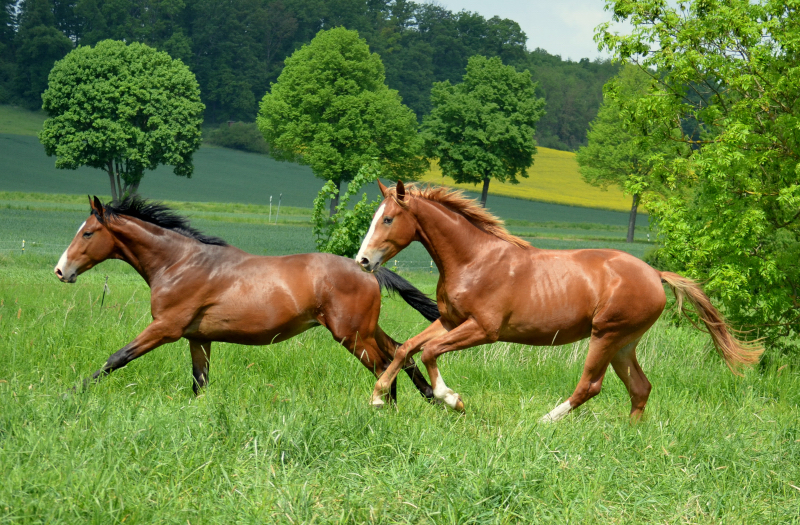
(224, 175)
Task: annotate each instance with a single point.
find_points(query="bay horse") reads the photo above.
(204, 290)
(494, 286)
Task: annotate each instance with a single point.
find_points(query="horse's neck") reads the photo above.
(451, 240)
(147, 247)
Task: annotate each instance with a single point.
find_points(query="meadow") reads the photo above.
(284, 433)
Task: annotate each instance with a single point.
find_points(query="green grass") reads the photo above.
(284, 433)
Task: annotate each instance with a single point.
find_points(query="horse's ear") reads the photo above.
(401, 191)
(97, 207)
(382, 188)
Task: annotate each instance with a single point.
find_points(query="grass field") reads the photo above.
(284, 433)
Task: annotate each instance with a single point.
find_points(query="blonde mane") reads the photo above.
(456, 201)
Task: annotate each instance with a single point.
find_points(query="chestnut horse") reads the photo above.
(494, 286)
(205, 290)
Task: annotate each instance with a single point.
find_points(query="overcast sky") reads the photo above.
(561, 27)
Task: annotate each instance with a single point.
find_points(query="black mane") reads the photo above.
(160, 215)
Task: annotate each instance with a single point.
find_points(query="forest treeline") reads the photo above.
(236, 48)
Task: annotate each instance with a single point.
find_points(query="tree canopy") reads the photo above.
(484, 127)
(123, 109)
(730, 216)
(618, 153)
(331, 109)
(237, 49)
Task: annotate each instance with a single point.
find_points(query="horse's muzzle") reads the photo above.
(66, 278)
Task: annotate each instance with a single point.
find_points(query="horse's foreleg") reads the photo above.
(627, 368)
(201, 353)
(388, 347)
(406, 350)
(465, 335)
(155, 335)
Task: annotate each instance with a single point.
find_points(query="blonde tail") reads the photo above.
(736, 353)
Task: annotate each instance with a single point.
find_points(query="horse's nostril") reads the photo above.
(364, 261)
(58, 272)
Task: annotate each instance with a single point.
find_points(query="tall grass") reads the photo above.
(284, 433)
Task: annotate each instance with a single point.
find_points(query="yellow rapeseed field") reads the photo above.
(554, 177)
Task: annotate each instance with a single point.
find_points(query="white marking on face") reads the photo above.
(365, 242)
(557, 413)
(442, 392)
(63, 259)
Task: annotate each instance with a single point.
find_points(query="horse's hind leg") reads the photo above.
(367, 350)
(591, 381)
(201, 352)
(627, 368)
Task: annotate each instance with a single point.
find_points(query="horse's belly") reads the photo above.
(547, 331)
(250, 327)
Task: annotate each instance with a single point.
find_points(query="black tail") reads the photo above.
(388, 280)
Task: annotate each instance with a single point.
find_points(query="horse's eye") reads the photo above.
(387, 220)
(86, 235)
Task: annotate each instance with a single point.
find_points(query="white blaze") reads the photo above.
(365, 242)
(63, 260)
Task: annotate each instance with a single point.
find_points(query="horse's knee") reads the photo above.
(429, 355)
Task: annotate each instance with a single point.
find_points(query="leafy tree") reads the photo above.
(619, 154)
(123, 109)
(731, 216)
(485, 126)
(331, 109)
(341, 233)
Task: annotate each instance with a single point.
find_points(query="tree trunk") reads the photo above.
(335, 199)
(632, 219)
(485, 191)
(113, 184)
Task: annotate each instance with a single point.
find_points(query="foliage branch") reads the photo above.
(731, 213)
(341, 233)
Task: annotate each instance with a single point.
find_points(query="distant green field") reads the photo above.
(222, 176)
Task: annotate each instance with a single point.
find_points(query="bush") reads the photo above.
(243, 136)
(341, 234)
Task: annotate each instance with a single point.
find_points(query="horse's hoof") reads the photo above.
(459, 406)
(378, 404)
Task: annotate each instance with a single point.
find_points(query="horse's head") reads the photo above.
(393, 228)
(92, 245)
